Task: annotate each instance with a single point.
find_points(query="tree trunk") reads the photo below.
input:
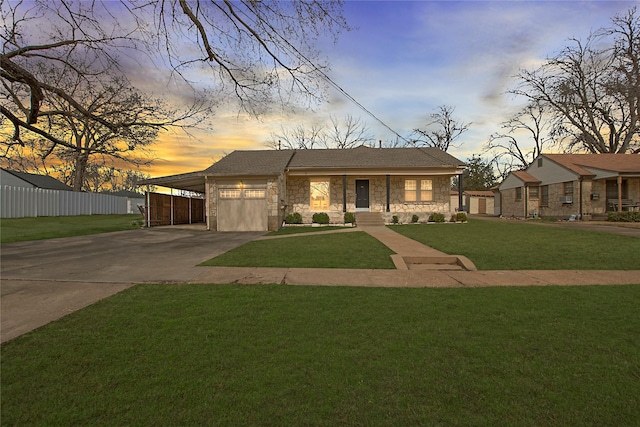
(80, 169)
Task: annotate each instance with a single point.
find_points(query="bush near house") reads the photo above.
(415, 218)
(623, 217)
(436, 217)
(349, 218)
(395, 219)
(461, 217)
(294, 218)
(320, 218)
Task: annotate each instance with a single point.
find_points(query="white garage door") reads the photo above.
(242, 209)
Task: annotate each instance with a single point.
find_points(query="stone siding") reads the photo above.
(298, 197)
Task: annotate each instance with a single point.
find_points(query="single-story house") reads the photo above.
(255, 190)
(579, 185)
(30, 180)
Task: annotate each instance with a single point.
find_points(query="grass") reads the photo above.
(23, 229)
(303, 229)
(497, 245)
(325, 356)
(341, 250)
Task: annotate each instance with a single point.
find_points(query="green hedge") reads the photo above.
(294, 218)
(320, 218)
(623, 216)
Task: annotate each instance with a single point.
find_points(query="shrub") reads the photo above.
(349, 217)
(415, 218)
(461, 217)
(320, 218)
(623, 216)
(395, 219)
(436, 217)
(294, 218)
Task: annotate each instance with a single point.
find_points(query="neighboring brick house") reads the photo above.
(582, 185)
(255, 190)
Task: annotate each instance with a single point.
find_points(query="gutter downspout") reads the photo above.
(526, 200)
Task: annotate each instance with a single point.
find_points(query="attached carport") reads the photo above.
(170, 209)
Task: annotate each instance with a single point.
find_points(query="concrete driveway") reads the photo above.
(43, 280)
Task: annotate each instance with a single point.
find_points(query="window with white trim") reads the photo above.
(418, 190)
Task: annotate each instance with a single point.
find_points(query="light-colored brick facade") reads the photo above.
(298, 197)
(569, 185)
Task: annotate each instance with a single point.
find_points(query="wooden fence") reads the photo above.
(165, 209)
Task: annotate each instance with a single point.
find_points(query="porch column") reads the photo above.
(460, 190)
(344, 193)
(619, 193)
(388, 193)
(172, 206)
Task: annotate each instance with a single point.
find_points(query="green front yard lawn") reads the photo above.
(501, 245)
(340, 250)
(325, 356)
(490, 245)
(53, 227)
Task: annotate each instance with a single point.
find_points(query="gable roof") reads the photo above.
(40, 181)
(373, 158)
(525, 177)
(251, 162)
(579, 163)
(274, 162)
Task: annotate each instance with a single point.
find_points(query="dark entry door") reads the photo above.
(362, 194)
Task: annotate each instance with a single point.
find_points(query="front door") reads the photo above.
(362, 194)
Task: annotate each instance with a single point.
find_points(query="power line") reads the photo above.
(362, 107)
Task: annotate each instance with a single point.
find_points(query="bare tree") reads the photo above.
(299, 137)
(593, 92)
(441, 130)
(257, 51)
(80, 143)
(350, 132)
(523, 138)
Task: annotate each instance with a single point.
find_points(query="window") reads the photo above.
(533, 192)
(229, 193)
(415, 193)
(426, 190)
(410, 192)
(568, 188)
(319, 190)
(518, 194)
(254, 194)
(544, 195)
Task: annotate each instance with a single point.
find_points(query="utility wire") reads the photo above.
(341, 90)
